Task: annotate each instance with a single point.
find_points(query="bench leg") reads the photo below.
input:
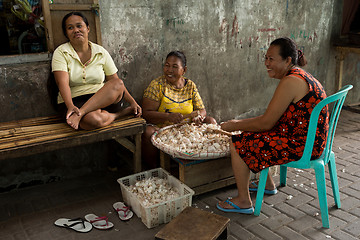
(182, 173)
(135, 148)
(137, 153)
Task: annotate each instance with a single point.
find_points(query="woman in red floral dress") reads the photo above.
(279, 135)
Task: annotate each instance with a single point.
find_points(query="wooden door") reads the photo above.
(54, 13)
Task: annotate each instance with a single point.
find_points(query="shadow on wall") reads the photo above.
(60, 164)
(23, 91)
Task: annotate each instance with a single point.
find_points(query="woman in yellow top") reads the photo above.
(90, 90)
(170, 99)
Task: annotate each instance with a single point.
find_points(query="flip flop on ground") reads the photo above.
(235, 209)
(99, 222)
(76, 224)
(255, 188)
(124, 212)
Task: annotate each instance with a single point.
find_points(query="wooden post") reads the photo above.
(340, 56)
(97, 22)
(48, 26)
(341, 53)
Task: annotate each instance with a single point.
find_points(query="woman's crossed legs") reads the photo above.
(91, 115)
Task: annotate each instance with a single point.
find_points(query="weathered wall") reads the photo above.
(352, 76)
(52, 166)
(23, 92)
(225, 43)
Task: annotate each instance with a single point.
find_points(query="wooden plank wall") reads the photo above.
(55, 12)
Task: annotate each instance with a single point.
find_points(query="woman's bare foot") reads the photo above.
(74, 121)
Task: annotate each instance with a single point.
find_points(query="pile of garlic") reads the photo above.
(193, 139)
(153, 190)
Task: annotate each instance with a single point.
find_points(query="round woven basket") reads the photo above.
(176, 153)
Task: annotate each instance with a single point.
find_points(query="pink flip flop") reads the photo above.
(99, 222)
(123, 211)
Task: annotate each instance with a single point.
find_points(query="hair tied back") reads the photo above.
(300, 54)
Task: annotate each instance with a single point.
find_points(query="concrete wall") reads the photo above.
(23, 92)
(225, 43)
(352, 76)
(52, 166)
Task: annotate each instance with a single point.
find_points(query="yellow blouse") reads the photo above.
(83, 78)
(183, 100)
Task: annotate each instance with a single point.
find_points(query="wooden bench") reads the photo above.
(43, 134)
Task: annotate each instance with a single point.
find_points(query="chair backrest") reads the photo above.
(338, 100)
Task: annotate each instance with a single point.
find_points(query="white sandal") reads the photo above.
(99, 222)
(123, 211)
(76, 224)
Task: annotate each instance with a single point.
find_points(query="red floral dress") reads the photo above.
(285, 142)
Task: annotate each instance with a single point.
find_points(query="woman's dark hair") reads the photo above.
(288, 48)
(63, 24)
(179, 55)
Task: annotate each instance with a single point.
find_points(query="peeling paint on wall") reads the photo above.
(303, 34)
(224, 41)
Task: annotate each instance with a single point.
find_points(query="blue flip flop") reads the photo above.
(268, 192)
(235, 208)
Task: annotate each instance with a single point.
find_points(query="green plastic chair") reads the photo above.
(328, 157)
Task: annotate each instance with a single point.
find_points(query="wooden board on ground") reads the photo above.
(193, 223)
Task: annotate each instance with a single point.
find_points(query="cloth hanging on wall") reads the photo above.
(349, 10)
